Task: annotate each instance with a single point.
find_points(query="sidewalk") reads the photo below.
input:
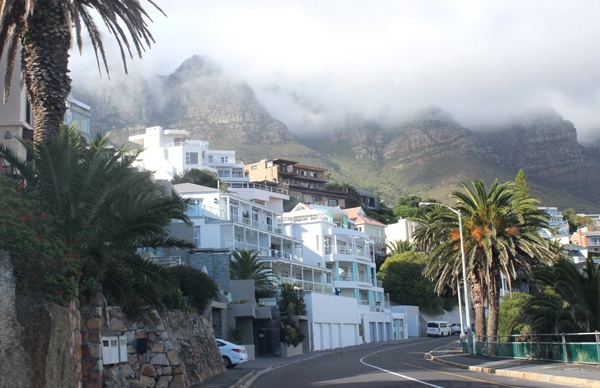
(573, 375)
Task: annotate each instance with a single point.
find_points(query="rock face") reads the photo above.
(223, 110)
(545, 146)
(199, 97)
(15, 364)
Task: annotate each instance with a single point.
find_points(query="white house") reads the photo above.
(402, 230)
(169, 152)
(329, 242)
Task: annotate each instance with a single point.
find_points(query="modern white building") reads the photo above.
(403, 230)
(170, 152)
(330, 242)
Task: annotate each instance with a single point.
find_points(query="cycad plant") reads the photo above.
(106, 211)
(569, 300)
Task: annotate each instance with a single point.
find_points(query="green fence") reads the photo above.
(573, 347)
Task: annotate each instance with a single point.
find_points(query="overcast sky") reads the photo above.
(312, 61)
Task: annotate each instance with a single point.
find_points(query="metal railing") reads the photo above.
(583, 348)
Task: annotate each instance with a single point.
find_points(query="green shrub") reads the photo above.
(42, 263)
(194, 286)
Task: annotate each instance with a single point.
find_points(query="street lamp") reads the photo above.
(464, 267)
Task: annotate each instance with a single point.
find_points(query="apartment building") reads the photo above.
(16, 119)
(304, 183)
(331, 242)
(373, 228)
(170, 152)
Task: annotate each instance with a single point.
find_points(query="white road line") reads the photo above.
(394, 373)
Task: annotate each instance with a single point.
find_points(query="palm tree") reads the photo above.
(244, 265)
(107, 211)
(570, 296)
(43, 29)
(500, 236)
(399, 246)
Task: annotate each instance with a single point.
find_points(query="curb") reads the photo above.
(570, 381)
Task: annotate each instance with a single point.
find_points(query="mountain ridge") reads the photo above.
(428, 155)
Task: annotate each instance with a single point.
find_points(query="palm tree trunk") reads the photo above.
(494, 305)
(45, 59)
(479, 306)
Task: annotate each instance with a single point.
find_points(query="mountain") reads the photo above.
(428, 155)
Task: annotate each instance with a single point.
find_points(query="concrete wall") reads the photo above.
(334, 321)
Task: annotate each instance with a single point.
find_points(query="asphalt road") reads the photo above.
(393, 365)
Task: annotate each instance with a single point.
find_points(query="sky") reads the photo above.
(313, 62)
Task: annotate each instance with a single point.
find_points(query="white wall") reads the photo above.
(334, 321)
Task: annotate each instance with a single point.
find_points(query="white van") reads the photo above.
(438, 328)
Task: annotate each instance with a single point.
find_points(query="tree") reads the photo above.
(575, 221)
(198, 177)
(105, 212)
(570, 296)
(521, 184)
(193, 285)
(402, 277)
(399, 246)
(244, 265)
(500, 232)
(291, 304)
(43, 29)
(512, 310)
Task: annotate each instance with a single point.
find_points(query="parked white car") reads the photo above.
(455, 327)
(232, 354)
(438, 328)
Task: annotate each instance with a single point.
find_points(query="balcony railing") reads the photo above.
(265, 252)
(323, 288)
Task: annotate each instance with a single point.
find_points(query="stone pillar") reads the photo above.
(92, 322)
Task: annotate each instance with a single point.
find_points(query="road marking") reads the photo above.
(397, 374)
(461, 376)
(362, 361)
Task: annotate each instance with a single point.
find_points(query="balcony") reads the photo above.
(308, 286)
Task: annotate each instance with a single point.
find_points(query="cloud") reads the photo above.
(313, 61)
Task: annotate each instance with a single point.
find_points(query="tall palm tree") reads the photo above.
(43, 30)
(107, 210)
(500, 232)
(244, 265)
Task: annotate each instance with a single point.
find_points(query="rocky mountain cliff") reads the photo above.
(428, 155)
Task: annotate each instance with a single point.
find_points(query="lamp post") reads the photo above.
(464, 268)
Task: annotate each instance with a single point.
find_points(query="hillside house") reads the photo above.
(170, 152)
(331, 242)
(306, 184)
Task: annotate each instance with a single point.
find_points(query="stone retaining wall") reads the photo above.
(181, 351)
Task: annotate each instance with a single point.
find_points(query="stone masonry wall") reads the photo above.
(181, 351)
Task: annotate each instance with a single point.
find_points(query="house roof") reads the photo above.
(358, 215)
(191, 188)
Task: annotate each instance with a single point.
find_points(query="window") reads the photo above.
(191, 158)
(197, 239)
(332, 202)
(313, 174)
(224, 159)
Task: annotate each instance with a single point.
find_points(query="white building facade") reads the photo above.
(330, 243)
(170, 152)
